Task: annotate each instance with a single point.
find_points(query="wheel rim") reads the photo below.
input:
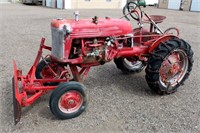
(173, 68)
(70, 101)
(134, 65)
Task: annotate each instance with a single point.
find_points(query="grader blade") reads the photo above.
(16, 106)
(16, 96)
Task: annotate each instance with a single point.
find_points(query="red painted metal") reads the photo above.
(53, 70)
(70, 101)
(168, 68)
(86, 28)
(173, 67)
(17, 74)
(159, 40)
(134, 51)
(32, 89)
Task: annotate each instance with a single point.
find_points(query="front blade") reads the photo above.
(16, 104)
(17, 96)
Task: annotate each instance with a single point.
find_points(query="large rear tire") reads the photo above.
(169, 66)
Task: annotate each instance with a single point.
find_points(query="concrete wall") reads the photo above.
(186, 4)
(163, 4)
(97, 4)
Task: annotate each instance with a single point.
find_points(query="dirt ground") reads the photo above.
(118, 102)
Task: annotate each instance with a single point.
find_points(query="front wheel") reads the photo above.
(169, 66)
(68, 100)
(48, 70)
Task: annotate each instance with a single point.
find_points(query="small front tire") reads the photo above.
(68, 100)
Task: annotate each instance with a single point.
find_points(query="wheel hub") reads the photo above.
(173, 68)
(70, 101)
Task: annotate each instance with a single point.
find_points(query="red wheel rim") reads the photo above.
(173, 68)
(70, 101)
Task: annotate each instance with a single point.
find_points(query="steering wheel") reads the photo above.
(132, 9)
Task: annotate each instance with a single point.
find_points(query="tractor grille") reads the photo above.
(57, 42)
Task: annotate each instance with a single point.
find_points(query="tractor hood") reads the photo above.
(93, 28)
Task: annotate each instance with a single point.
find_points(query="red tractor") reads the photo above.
(78, 45)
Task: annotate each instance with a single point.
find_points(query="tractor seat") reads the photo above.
(155, 18)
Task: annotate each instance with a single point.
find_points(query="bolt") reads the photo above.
(71, 101)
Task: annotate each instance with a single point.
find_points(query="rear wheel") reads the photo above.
(68, 100)
(169, 66)
(129, 65)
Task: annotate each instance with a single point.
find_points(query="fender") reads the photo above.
(161, 39)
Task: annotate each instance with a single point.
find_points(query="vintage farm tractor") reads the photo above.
(77, 45)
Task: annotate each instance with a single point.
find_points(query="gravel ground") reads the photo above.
(118, 102)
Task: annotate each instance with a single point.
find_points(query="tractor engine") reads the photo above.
(91, 49)
(98, 50)
(89, 41)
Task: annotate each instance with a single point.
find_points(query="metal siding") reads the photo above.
(174, 4)
(60, 4)
(67, 4)
(48, 3)
(195, 5)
